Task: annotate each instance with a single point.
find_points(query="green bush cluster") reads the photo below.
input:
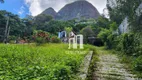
(109, 35)
(137, 64)
(108, 38)
(130, 44)
(55, 39)
(41, 37)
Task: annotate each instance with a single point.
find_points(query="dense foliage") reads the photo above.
(24, 28)
(129, 44)
(119, 9)
(109, 35)
(47, 62)
(87, 32)
(18, 27)
(42, 37)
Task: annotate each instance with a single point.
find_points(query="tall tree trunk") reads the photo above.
(6, 31)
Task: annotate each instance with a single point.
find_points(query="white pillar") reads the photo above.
(80, 41)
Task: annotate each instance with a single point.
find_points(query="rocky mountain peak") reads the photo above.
(81, 9)
(50, 11)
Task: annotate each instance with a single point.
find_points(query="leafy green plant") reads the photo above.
(46, 62)
(109, 36)
(130, 44)
(55, 39)
(137, 64)
(41, 37)
(87, 32)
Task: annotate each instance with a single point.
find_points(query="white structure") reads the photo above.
(123, 28)
(75, 40)
(139, 10)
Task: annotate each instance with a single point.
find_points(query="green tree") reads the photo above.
(41, 19)
(109, 36)
(68, 30)
(28, 27)
(54, 26)
(18, 27)
(123, 8)
(78, 27)
(87, 32)
(101, 22)
(14, 24)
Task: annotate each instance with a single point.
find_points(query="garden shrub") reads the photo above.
(111, 41)
(55, 39)
(119, 45)
(108, 38)
(39, 40)
(137, 65)
(87, 32)
(41, 37)
(12, 39)
(130, 44)
(104, 36)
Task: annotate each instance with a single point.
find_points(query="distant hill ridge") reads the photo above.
(78, 9)
(50, 11)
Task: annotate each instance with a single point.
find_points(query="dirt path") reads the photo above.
(109, 68)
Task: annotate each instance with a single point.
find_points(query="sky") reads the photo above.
(35, 7)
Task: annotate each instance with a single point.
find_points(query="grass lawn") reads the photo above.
(46, 62)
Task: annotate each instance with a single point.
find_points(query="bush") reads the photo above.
(108, 38)
(12, 39)
(60, 72)
(87, 32)
(111, 41)
(41, 37)
(130, 44)
(137, 65)
(119, 43)
(55, 39)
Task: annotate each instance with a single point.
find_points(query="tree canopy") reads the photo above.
(18, 27)
(119, 9)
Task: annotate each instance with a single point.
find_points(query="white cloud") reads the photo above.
(34, 6)
(21, 11)
(37, 6)
(99, 4)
